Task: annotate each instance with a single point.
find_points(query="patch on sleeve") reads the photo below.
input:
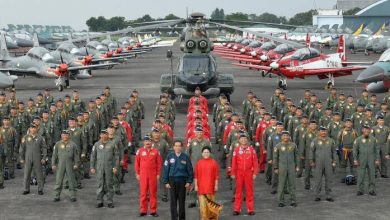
(137, 152)
(166, 163)
(275, 149)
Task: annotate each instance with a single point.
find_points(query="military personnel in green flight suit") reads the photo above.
(381, 132)
(344, 145)
(65, 161)
(366, 157)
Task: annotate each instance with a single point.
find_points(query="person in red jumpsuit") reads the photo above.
(244, 171)
(148, 168)
(198, 94)
(229, 127)
(264, 124)
(129, 133)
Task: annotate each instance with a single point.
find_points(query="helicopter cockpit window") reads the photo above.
(195, 65)
(268, 46)
(385, 56)
(305, 53)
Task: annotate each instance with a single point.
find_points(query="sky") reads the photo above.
(76, 12)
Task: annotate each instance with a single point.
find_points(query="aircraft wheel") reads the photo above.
(262, 73)
(60, 88)
(366, 53)
(280, 84)
(284, 86)
(329, 86)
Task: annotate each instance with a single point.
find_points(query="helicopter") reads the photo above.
(197, 68)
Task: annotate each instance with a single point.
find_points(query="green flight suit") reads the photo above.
(104, 158)
(286, 160)
(323, 154)
(298, 137)
(66, 159)
(344, 143)
(381, 133)
(366, 152)
(349, 110)
(32, 151)
(304, 151)
(78, 137)
(273, 140)
(10, 145)
(316, 114)
(268, 170)
(118, 176)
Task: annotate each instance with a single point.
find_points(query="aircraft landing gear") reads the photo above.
(330, 83)
(60, 83)
(366, 53)
(282, 83)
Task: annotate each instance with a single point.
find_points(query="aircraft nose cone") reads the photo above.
(371, 74)
(377, 87)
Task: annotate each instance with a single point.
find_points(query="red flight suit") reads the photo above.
(244, 166)
(148, 165)
(129, 133)
(259, 140)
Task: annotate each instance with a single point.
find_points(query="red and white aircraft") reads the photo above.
(307, 62)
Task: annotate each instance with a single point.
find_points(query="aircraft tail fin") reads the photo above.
(35, 40)
(341, 48)
(4, 55)
(308, 40)
(359, 30)
(379, 32)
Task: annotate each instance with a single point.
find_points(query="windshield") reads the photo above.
(305, 53)
(283, 48)
(268, 46)
(196, 65)
(385, 56)
(47, 57)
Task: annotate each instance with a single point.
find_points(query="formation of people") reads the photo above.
(283, 141)
(309, 139)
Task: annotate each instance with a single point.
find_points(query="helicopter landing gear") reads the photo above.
(282, 83)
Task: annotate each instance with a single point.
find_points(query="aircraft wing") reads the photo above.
(91, 67)
(19, 72)
(243, 60)
(251, 66)
(116, 58)
(335, 71)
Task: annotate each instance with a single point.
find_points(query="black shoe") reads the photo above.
(273, 192)
(236, 213)
(12, 176)
(281, 205)
(40, 192)
(251, 213)
(119, 193)
(376, 176)
(342, 180)
(233, 199)
(73, 199)
(99, 205)
(79, 186)
(299, 176)
(307, 187)
(294, 204)
(142, 214)
(25, 192)
(123, 181)
(317, 199)
(372, 193)
(164, 199)
(1, 186)
(154, 214)
(66, 187)
(261, 171)
(110, 205)
(56, 199)
(87, 176)
(359, 193)
(383, 176)
(191, 205)
(330, 199)
(18, 166)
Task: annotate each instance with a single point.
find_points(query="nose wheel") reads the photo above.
(330, 83)
(282, 83)
(61, 83)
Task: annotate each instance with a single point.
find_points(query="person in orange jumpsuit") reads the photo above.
(148, 168)
(244, 171)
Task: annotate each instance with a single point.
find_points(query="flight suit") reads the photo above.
(273, 140)
(268, 169)
(345, 140)
(118, 176)
(111, 102)
(47, 100)
(323, 154)
(78, 137)
(356, 119)
(316, 114)
(293, 124)
(2, 161)
(339, 107)
(298, 137)
(363, 101)
(366, 152)
(304, 151)
(32, 151)
(89, 129)
(66, 159)
(78, 106)
(325, 121)
(334, 129)
(104, 158)
(286, 160)
(4, 110)
(381, 133)
(375, 107)
(259, 147)
(244, 167)
(164, 149)
(331, 100)
(10, 145)
(148, 164)
(104, 115)
(367, 121)
(349, 110)
(278, 109)
(39, 108)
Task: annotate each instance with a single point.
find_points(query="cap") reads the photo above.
(322, 128)
(366, 126)
(72, 119)
(115, 118)
(199, 129)
(157, 121)
(273, 117)
(155, 130)
(348, 119)
(39, 94)
(243, 134)
(6, 118)
(279, 123)
(47, 89)
(65, 132)
(285, 133)
(107, 87)
(379, 116)
(336, 113)
(67, 96)
(104, 131)
(147, 138)
(80, 114)
(313, 121)
(33, 125)
(37, 117)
